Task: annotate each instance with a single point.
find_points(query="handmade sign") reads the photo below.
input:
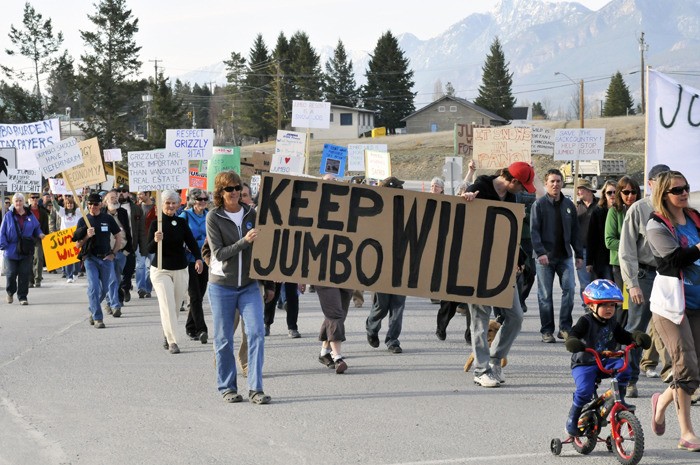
(19, 180)
(496, 148)
(8, 159)
(289, 153)
(542, 141)
(154, 170)
(308, 114)
(91, 170)
(334, 159)
(197, 143)
(579, 144)
(377, 164)
(59, 157)
(29, 137)
(356, 155)
(386, 240)
(112, 155)
(262, 161)
(223, 159)
(59, 249)
(58, 186)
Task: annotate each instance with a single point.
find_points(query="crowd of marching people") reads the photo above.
(184, 253)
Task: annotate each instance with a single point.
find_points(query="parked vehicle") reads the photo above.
(596, 171)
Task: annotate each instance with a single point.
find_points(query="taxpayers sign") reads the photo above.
(388, 240)
(29, 137)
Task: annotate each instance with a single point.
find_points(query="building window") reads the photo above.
(441, 109)
(453, 108)
(331, 117)
(346, 119)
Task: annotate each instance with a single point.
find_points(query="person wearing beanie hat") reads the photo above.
(502, 187)
(638, 269)
(97, 254)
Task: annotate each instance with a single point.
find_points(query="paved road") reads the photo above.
(71, 394)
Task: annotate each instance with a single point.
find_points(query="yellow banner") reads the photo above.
(59, 249)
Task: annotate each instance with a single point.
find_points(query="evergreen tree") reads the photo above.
(36, 42)
(495, 91)
(256, 88)
(449, 89)
(62, 87)
(306, 68)
(201, 100)
(230, 125)
(538, 111)
(340, 87)
(167, 112)
(17, 105)
(618, 101)
(111, 57)
(389, 83)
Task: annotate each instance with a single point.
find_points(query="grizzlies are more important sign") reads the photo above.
(390, 240)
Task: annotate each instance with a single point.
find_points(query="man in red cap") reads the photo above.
(517, 177)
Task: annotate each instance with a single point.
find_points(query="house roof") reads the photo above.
(359, 110)
(462, 102)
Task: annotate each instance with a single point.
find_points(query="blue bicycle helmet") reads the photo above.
(602, 291)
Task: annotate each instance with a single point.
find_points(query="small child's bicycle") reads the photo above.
(626, 437)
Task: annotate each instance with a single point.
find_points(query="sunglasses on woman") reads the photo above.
(202, 199)
(233, 188)
(610, 193)
(679, 190)
(629, 192)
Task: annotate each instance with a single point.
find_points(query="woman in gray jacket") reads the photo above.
(231, 233)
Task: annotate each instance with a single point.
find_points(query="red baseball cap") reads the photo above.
(524, 173)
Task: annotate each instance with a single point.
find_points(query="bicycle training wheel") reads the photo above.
(629, 448)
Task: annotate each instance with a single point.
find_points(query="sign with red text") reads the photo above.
(356, 154)
(496, 148)
(579, 144)
(112, 155)
(59, 249)
(289, 153)
(377, 164)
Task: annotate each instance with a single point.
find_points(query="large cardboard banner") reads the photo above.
(223, 159)
(19, 180)
(333, 160)
(262, 161)
(29, 137)
(59, 157)
(289, 153)
(496, 148)
(464, 139)
(59, 249)
(579, 144)
(377, 164)
(92, 170)
(152, 170)
(673, 126)
(356, 154)
(198, 143)
(542, 141)
(309, 114)
(389, 240)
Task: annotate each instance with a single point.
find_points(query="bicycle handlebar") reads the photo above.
(610, 354)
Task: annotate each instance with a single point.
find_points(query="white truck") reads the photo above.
(596, 171)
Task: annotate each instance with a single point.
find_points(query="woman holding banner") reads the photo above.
(17, 233)
(68, 214)
(230, 234)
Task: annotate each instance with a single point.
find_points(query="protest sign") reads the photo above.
(356, 155)
(289, 153)
(262, 161)
(59, 249)
(334, 159)
(673, 126)
(113, 155)
(377, 164)
(59, 157)
(247, 169)
(542, 141)
(378, 132)
(198, 182)
(29, 137)
(154, 170)
(464, 139)
(496, 148)
(19, 180)
(254, 185)
(579, 144)
(386, 240)
(223, 159)
(198, 143)
(108, 184)
(8, 159)
(308, 114)
(58, 186)
(91, 171)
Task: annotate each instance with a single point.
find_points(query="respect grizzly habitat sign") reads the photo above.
(389, 240)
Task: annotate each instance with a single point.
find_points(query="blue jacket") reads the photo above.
(198, 225)
(8, 232)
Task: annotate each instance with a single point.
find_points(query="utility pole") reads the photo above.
(155, 80)
(643, 47)
(278, 93)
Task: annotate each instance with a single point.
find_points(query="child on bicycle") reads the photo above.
(599, 331)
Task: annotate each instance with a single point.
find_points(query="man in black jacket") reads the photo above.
(42, 215)
(111, 208)
(137, 223)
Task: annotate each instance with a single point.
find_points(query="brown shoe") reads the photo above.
(99, 324)
(340, 366)
(174, 349)
(10, 299)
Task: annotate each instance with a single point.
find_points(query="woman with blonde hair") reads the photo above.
(673, 232)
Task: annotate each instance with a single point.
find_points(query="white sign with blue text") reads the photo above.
(29, 137)
(199, 143)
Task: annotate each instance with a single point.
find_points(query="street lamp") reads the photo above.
(70, 122)
(580, 113)
(147, 100)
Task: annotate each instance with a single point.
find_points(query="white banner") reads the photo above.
(673, 126)
(496, 148)
(19, 180)
(579, 144)
(29, 137)
(112, 155)
(289, 153)
(198, 143)
(377, 164)
(542, 141)
(58, 186)
(59, 157)
(356, 155)
(308, 114)
(153, 170)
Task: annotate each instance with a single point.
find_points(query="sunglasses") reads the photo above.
(628, 192)
(679, 190)
(34, 198)
(123, 191)
(610, 193)
(233, 188)
(94, 204)
(202, 199)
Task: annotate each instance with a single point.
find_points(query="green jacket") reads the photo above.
(613, 230)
